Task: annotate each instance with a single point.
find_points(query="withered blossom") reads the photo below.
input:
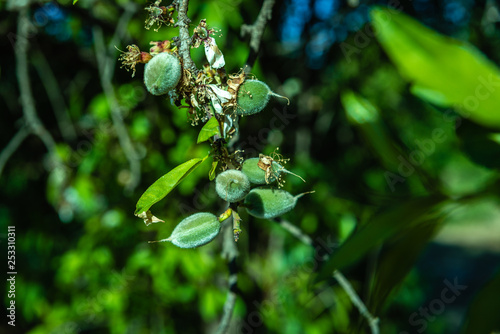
(132, 56)
(159, 15)
(214, 55)
(159, 47)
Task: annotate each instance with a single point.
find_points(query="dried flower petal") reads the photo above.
(214, 55)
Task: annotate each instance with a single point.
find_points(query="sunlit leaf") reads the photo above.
(165, 184)
(210, 129)
(381, 227)
(442, 70)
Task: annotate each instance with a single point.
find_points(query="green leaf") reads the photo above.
(381, 227)
(398, 257)
(482, 316)
(75, 1)
(366, 117)
(210, 129)
(442, 70)
(165, 184)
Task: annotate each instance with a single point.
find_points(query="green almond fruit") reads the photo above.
(252, 97)
(269, 203)
(195, 231)
(232, 185)
(162, 73)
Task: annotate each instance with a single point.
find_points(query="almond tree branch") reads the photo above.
(184, 39)
(343, 282)
(256, 30)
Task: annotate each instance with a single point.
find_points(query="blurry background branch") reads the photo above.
(53, 90)
(343, 282)
(105, 64)
(353, 296)
(12, 146)
(33, 122)
(256, 30)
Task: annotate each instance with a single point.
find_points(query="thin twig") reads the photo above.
(344, 283)
(120, 33)
(230, 252)
(27, 100)
(12, 146)
(53, 90)
(256, 30)
(121, 130)
(295, 231)
(184, 39)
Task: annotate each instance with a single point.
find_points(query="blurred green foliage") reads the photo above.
(406, 187)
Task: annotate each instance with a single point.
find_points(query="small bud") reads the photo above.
(269, 203)
(162, 73)
(194, 231)
(232, 185)
(253, 96)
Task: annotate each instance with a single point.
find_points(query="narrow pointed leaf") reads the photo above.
(399, 257)
(165, 184)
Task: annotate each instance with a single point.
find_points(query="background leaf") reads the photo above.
(443, 70)
(398, 258)
(381, 227)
